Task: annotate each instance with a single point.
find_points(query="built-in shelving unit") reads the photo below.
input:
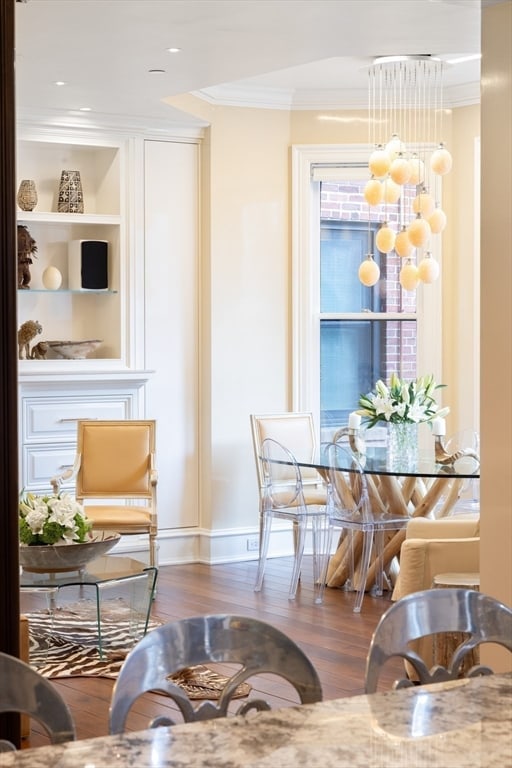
(67, 313)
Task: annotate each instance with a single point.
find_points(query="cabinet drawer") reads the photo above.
(56, 418)
(41, 463)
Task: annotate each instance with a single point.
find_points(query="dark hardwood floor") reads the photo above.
(334, 638)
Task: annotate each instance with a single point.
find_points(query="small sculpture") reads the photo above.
(26, 249)
(355, 441)
(39, 351)
(442, 456)
(26, 332)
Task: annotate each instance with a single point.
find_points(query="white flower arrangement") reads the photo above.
(402, 402)
(52, 520)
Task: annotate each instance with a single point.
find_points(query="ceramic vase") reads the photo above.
(27, 195)
(71, 198)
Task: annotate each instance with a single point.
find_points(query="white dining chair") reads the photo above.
(349, 508)
(287, 491)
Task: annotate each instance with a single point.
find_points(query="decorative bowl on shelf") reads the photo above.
(74, 350)
(59, 558)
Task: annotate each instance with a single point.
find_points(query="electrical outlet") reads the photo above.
(253, 544)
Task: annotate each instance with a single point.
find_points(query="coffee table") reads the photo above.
(124, 578)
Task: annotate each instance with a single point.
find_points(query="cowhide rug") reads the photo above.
(66, 645)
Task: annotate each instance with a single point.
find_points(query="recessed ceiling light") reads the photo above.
(59, 82)
(85, 109)
(173, 50)
(156, 71)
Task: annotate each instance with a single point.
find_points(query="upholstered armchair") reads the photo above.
(431, 547)
(115, 470)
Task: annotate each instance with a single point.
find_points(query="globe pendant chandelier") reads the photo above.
(406, 163)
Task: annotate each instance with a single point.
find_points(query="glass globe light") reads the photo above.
(369, 271)
(394, 146)
(428, 269)
(385, 238)
(437, 221)
(424, 204)
(409, 278)
(400, 170)
(392, 191)
(403, 245)
(419, 231)
(417, 170)
(379, 162)
(373, 192)
(441, 161)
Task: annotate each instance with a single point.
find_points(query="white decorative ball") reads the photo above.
(52, 278)
(428, 270)
(400, 170)
(392, 191)
(441, 161)
(379, 162)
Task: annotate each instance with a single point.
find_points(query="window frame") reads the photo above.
(306, 280)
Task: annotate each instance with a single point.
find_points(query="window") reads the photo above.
(346, 335)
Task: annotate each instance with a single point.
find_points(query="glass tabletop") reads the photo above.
(376, 462)
(104, 569)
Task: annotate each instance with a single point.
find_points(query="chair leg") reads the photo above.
(266, 521)
(152, 551)
(365, 565)
(297, 563)
(350, 582)
(378, 587)
(322, 551)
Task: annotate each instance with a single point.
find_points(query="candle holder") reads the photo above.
(448, 459)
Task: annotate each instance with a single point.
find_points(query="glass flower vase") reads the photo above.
(402, 445)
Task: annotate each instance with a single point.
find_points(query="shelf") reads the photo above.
(49, 217)
(82, 292)
(74, 312)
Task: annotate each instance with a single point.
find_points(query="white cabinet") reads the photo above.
(66, 314)
(141, 193)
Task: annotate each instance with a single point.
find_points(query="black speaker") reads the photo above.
(88, 265)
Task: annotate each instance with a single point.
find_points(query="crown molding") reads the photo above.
(257, 97)
(191, 128)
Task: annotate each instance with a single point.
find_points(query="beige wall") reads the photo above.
(460, 263)
(246, 296)
(246, 288)
(496, 307)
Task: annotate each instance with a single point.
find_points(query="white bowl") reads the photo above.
(59, 558)
(74, 350)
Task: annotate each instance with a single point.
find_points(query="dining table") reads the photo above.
(458, 724)
(421, 487)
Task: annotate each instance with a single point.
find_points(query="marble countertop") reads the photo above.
(466, 724)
